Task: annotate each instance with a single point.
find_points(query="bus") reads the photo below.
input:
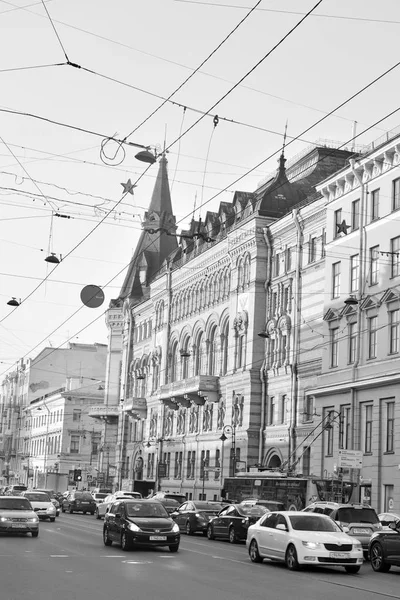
(294, 492)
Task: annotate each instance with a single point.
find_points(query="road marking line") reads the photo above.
(137, 562)
(59, 555)
(112, 556)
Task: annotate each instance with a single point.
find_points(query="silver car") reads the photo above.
(18, 516)
(102, 508)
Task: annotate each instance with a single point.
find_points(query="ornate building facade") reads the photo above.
(196, 377)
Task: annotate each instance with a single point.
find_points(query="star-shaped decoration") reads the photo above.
(342, 227)
(128, 187)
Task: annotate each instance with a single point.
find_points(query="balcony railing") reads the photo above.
(193, 390)
(104, 412)
(136, 407)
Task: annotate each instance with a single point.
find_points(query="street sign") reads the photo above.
(100, 477)
(350, 459)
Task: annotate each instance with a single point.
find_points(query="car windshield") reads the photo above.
(253, 511)
(83, 496)
(15, 504)
(37, 497)
(146, 510)
(313, 523)
(349, 514)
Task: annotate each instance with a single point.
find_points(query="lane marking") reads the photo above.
(137, 562)
(112, 556)
(353, 587)
(59, 555)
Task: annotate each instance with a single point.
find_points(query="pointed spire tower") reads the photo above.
(152, 248)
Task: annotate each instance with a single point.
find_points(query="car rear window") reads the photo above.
(253, 511)
(180, 499)
(100, 496)
(38, 497)
(83, 496)
(19, 488)
(349, 514)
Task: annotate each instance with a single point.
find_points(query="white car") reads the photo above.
(102, 508)
(99, 497)
(299, 538)
(41, 504)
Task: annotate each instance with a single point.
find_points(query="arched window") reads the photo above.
(240, 273)
(212, 352)
(200, 355)
(224, 348)
(246, 271)
(185, 358)
(173, 362)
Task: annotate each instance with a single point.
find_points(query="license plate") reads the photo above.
(18, 526)
(158, 538)
(339, 555)
(361, 531)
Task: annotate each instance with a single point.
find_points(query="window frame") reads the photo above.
(336, 272)
(374, 205)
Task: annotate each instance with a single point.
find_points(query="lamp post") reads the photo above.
(229, 430)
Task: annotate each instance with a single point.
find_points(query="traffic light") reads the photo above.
(77, 475)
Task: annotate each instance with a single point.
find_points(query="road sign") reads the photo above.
(100, 477)
(89, 477)
(350, 459)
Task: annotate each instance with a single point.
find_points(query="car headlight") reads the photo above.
(357, 546)
(3, 519)
(133, 527)
(175, 528)
(33, 520)
(312, 545)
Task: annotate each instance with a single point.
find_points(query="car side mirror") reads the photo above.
(174, 514)
(345, 529)
(392, 525)
(281, 527)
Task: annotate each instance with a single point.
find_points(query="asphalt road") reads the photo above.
(68, 561)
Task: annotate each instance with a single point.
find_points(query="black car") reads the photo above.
(233, 521)
(79, 502)
(170, 501)
(134, 523)
(194, 516)
(384, 548)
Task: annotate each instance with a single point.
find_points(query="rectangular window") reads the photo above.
(329, 432)
(344, 427)
(76, 414)
(272, 410)
(354, 272)
(288, 259)
(394, 327)
(217, 473)
(309, 408)
(372, 336)
(323, 242)
(334, 346)
(374, 264)
(312, 255)
(352, 328)
(283, 408)
(390, 427)
(395, 255)
(178, 465)
(336, 280)
(191, 464)
(74, 449)
(368, 429)
(167, 462)
(374, 205)
(396, 194)
(277, 264)
(338, 220)
(355, 215)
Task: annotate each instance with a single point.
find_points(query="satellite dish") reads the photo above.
(92, 296)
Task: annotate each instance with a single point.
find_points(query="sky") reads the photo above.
(75, 73)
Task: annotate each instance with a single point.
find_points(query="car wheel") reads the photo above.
(125, 542)
(92, 513)
(377, 561)
(63, 510)
(84, 512)
(97, 514)
(52, 519)
(106, 539)
(35, 533)
(353, 569)
(210, 533)
(204, 532)
(232, 535)
(174, 548)
(291, 558)
(254, 553)
(188, 528)
(70, 511)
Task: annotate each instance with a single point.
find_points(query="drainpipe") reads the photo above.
(125, 394)
(263, 370)
(361, 283)
(296, 338)
(264, 379)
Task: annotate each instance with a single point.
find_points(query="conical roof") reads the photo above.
(156, 241)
